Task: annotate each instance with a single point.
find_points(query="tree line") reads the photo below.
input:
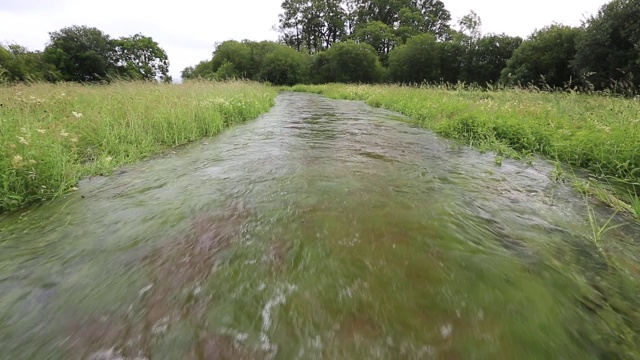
(367, 41)
(414, 41)
(85, 54)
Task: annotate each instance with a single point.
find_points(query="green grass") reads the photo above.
(635, 204)
(594, 132)
(55, 134)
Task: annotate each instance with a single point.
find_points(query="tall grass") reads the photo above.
(51, 135)
(594, 132)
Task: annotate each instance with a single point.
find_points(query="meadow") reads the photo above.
(55, 134)
(52, 135)
(597, 133)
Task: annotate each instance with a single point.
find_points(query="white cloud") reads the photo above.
(187, 29)
(521, 18)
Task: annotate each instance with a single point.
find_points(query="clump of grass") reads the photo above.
(54, 134)
(557, 173)
(597, 230)
(635, 205)
(594, 132)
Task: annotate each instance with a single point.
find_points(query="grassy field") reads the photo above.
(53, 135)
(596, 133)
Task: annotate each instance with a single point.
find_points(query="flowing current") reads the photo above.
(324, 229)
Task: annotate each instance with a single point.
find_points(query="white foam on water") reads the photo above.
(446, 330)
(161, 326)
(112, 354)
(280, 298)
(145, 289)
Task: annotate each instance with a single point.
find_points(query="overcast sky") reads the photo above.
(187, 29)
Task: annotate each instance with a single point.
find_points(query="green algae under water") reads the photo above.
(324, 229)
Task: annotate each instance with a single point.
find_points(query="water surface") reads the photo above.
(324, 229)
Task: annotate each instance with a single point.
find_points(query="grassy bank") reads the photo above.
(597, 133)
(53, 135)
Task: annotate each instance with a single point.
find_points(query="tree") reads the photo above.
(436, 17)
(204, 70)
(236, 53)
(416, 61)
(379, 35)
(315, 25)
(609, 49)
(384, 11)
(544, 58)
(284, 66)
(259, 61)
(258, 51)
(408, 16)
(188, 73)
(80, 53)
(139, 57)
(349, 62)
(17, 63)
(487, 57)
(471, 25)
(227, 71)
(86, 54)
(312, 25)
(320, 71)
(453, 56)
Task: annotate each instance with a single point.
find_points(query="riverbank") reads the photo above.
(596, 133)
(55, 134)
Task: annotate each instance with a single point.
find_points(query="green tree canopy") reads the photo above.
(227, 71)
(609, 49)
(80, 53)
(454, 58)
(315, 25)
(17, 63)
(312, 25)
(416, 61)
(139, 57)
(379, 35)
(284, 66)
(86, 54)
(488, 56)
(544, 58)
(350, 62)
(260, 61)
(204, 70)
(236, 53)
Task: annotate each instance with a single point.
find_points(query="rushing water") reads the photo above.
(325, 229)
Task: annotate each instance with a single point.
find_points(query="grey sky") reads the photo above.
(187, 29)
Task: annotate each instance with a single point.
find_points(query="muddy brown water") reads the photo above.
(324, 229)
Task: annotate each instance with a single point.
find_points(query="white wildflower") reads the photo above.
(17, 159)
(76, 114)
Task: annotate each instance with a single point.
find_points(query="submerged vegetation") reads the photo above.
(53, 135)
(600, 134)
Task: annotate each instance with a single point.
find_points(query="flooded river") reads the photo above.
(324, 229)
